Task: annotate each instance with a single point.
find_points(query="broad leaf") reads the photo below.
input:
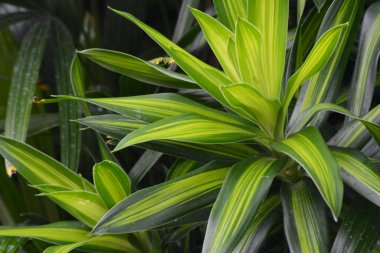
(309, 150)
(243, 190)
(191, 128)
(138, 69)
(111, 182)
(358, 172)
(162, 203)
(305, 219)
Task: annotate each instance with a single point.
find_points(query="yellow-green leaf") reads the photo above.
(229, 11)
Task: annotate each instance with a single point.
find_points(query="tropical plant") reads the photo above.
(261, 144)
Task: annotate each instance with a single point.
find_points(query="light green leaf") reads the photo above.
(77, 82)
(206, 76)
(305, 219)
(309, 150)
(363, 81)
(229, 11)
(249, 103)
(358, 172)
(271, 18)
(249, 50)
(243, 190)
(111, 182)
(181, 167)
(87, 207)
(360, 228)
(39, 168)
(138, 69)
(162, 203)
(191, 128)
(143, 165)
(218, 36)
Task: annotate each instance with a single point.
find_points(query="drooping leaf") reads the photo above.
(138, 69)
(218, 36)
(271, 18)
(309, 150)
(191, 128)
(305, 219)
(70, 137)
(358, 172)
(162, 203)
(229, 11)
(39, 168)
(111, 182)
(360, 228)
(363, 81)
(243, 190)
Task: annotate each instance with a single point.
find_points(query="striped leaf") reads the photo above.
(70, 137)
(218, 37)
(71, 232)
(111, 182)
(138, 69)
(266, 216)
(38, 168)
(358, 172)
(87, 207)
(363, 81)
(319, 3)
(143, 165)
(360, 228)
(191, 128)
(322, 87)
(373, 128)
(305, 219)
(271, 18)
(206, 76)
(153, 107)
(162, 203)
(244, 189)
(309, 150)
(181, 167)
(118, 127)
(77, 82)
(229, 11)
(249, 50)
(12, 244)
(249, 103)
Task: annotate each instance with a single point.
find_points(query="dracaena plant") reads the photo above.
(260, 151)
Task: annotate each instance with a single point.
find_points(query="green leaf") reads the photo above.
(111, 182)
(243, 190)
(118, 127)
(87, 207)
(138, 69)
(322, 87)
(143, 165)
(11, 244)
(229, 11)
(71, 232)
(162, 203)
(305, 219)
(249, 49)
(8, 19)
(373, 128)
(191, 128)
(363, 81)
(70, 137)
(77, 82)
(206, 76)
(271, 18)
(309, 150)
(181, 167)
(249, 103)
(39, 168)
(360, 228)
(358, 172)
(218, 37)
(259, 227)
(319, 3)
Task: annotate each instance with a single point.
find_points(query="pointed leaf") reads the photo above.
(229, 11)
(162, 203)
(309, 150)
(191, 128)
(143, 165)
(271, 18)
(305, 219)
(359, 173)
(138, 69)
(244, 189)
(111, 182)
(39, 168)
